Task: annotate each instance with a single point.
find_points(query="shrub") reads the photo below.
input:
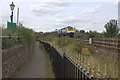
(79, 47)
(64, 41)
(28, 37)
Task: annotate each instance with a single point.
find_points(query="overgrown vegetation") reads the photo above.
(50, 73)
(27, 37)
(78, 48)
(64, 41)
(95, 57)
(104, 60)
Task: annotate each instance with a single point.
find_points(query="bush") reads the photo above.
(6, 42)
(28, 37)
(64, 41)
(78, 48)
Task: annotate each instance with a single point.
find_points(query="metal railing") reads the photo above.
(10, 36)
(73, 70)
(64, 66)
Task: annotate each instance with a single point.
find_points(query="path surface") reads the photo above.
(36, 65)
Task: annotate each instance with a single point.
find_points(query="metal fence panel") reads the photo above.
(63, 66)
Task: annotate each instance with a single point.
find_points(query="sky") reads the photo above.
(48, 15)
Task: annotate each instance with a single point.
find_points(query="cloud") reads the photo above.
(73, 0)
(62, 13)
(25, 19)
(3, 18)
(89, 10)
(91, 18)
(85, 16)
(93, 10)
(72, 20)
(48, 8)
(115, 3)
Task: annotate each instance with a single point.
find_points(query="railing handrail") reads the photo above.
(10, 36)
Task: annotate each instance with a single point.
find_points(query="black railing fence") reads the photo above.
(57, 60)
(72, 70)
(63, 66)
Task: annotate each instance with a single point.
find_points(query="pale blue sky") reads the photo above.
(47, 16)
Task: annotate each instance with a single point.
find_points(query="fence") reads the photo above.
(13, 58)
(64, 66)
(73, 70)
(106, 44)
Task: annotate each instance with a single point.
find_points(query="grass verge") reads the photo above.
(50, 73)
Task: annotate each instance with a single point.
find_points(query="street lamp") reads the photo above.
(12, 6)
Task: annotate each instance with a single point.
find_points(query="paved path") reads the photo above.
(36, 65)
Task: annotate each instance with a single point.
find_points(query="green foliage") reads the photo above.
(28, 37)
(91, 34)
(111, 29)
(82, 31)
(76, 30)
(78, 48)
(50, 73)
(94, 34)
(6, 42)
(80, 34)
(64, 41)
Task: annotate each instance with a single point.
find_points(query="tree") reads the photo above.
(76, 30)
(91, 34)
(82, 31)
(111, 28)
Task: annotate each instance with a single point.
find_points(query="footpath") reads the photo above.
(35, 66)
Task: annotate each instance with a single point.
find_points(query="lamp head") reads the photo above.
(12, 6)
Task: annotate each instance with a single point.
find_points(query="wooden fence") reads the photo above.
(105, 44)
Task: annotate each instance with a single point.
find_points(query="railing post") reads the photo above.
(74, 70)
(78, 71)
(88, 70)
(92, 72)
(81, 74)
(84, 73)
(64, 63)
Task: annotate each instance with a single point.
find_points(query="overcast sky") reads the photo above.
(49, 15)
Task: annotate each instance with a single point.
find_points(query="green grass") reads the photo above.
(64, 41)
(50, 73)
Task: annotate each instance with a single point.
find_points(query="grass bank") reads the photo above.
(50, 73)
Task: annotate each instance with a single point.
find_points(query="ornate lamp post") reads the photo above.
(12, 6)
